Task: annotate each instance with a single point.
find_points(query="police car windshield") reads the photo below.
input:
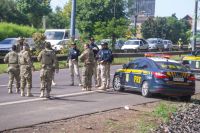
(171, 66)
(54, 35)
(132, 42)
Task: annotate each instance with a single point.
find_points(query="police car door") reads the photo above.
(129, 76)
(141, 73)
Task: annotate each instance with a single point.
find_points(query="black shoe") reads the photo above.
(72, 84)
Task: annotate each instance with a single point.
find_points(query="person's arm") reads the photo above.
(55, 63)
(82, 56)
(39, 58)
(6, 58)
(28, 59)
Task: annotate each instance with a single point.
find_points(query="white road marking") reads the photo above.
(40, 99)
(3, 85)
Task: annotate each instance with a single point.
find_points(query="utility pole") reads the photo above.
(73, 20)
(136, 16)
(44, 22)
(195, 26)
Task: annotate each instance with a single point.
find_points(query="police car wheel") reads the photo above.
(185, 98)
(117, 84)
(145, 89)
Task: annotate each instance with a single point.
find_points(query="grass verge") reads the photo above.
(161, 114)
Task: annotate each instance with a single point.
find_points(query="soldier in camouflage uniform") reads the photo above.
(26, 68)
(19, 44)
(13, 68)
(48, 60)
(87, 57)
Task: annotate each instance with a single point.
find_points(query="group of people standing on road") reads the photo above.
(20, 67)
(96, 62)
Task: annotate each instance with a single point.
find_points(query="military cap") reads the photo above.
(47, 45)
(104, 43)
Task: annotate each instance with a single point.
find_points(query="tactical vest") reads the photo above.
(13, 58)
(89, 56)
(47, 57)
(106, 55)
(22, 60)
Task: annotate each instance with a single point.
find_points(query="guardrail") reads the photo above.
(119, 55)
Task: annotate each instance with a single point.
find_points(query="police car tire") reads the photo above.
(145, 89)
(185, 98)
(117, 84)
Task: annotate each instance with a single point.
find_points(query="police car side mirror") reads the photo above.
(125, 66)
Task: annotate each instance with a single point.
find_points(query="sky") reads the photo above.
(163, 7)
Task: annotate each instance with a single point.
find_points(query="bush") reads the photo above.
(14, 30)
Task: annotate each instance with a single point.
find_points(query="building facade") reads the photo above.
(145, 7)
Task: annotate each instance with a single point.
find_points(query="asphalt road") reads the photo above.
(67, 101)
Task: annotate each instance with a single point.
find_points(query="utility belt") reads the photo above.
(47, 66)
(13, 65)
(104, 63)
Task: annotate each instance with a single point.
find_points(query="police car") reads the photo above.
(193, 62)
(150, 75)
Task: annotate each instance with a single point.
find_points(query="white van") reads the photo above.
(55, 36)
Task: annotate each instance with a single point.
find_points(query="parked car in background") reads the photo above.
(155, 44)
(6, 45)
(168, 44)
(135, 44)
(31, 43)
(54, 36)
(119, 43)
(60, 45)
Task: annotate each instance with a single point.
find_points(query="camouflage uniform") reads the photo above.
(95, 50)
(88, 58)
(49, 62)
(19, 44)
(13, 69)
(26, 67)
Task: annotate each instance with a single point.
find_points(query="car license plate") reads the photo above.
(178, 79)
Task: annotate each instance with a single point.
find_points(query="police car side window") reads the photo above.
(131, 66)
(143, 65)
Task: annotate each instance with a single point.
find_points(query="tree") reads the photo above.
(56, 20)
(166, 28)
(35, 9)
(91, 14)
(9, 13)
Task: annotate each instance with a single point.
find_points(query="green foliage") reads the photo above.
(57, 20)
(14, 30)
(166, 28)
(34, 9)
(39, 39)
(9, 13)
(97, 18)
(164, 111)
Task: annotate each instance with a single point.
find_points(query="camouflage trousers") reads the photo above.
(14, 74)
(105, 74)
(74, 68)
(46, 79)
(26, 77)
(87, 73)
(98, 75)
(95, 72)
